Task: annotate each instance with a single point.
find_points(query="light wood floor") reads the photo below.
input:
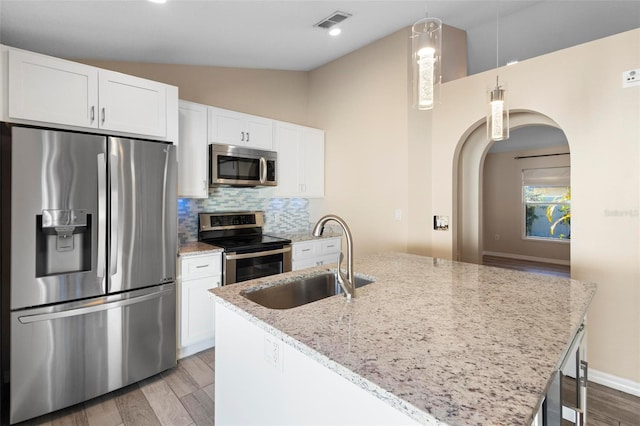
(606, 406)
(181, 396)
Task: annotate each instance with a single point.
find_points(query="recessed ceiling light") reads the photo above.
(158, 1)
(335, 31)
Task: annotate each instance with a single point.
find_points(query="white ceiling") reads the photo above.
(280, 34)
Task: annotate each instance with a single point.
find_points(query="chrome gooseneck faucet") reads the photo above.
(347, 283)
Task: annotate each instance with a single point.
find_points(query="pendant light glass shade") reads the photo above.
(426, 50)
(497, 114)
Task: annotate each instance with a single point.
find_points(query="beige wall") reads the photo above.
(361, 101)
(502, 204)
(601, 120)
(282, 95)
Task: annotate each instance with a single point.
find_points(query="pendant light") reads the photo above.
(498, 112)
(426, 54)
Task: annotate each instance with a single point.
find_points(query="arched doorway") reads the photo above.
(468, 235)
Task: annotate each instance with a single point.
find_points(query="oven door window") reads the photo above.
(258, 267)
(238, 168)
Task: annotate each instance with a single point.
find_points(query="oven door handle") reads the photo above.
(233, 256)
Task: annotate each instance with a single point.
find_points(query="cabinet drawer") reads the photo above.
(201, 266)
(304, 250)
(329, 245)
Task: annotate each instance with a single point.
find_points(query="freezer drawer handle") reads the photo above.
(258, 254)
(27, 319)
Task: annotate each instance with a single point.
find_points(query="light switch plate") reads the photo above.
(631, 78)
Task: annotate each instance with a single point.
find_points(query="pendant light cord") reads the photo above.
(497, 35)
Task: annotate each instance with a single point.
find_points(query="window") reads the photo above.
(547, 203)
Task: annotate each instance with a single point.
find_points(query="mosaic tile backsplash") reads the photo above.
(281, 215)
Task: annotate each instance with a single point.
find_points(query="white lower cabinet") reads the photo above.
(261, 380)
(307, 254)
(196, 326)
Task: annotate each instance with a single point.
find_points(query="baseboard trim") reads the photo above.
(529, 258)
(614, 382)
(186, 351)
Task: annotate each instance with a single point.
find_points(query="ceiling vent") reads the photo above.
(333, 19)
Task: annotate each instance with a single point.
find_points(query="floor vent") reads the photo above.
(333, 19)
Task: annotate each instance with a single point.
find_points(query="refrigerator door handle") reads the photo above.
(102, 214)
(27, 319)
(115, 192)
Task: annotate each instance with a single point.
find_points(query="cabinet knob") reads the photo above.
(248, 135)
(242, 140)
(103, 115)
(93, 113)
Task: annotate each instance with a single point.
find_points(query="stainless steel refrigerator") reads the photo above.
(88, 254)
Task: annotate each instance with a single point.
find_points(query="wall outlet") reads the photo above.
(398, 214)
(273, 352)
(631, 78)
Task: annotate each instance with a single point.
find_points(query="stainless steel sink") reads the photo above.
(300, 292)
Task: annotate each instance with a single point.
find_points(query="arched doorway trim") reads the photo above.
(468, 163)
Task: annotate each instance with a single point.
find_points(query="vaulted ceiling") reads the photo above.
(281, 34)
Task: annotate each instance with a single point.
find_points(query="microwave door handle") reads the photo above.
(263, 170)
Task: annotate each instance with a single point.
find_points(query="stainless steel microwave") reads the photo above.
(240, 166)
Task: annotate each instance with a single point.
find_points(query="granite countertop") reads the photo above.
(445, 342)
(194, 248)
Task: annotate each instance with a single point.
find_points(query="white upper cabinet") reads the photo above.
(131, 104)
(300, 161)
(50, 90)
(192, 151)
(236, 128)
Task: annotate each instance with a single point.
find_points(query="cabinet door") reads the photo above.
(259, 132)
(287, 143)
(300, 161)
(226, 127)
(192, 151)
(235, 128)
(47, 89)
(197, 311)
(131, 104)
(312, 163)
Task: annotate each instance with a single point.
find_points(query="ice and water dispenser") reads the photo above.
(63, 242)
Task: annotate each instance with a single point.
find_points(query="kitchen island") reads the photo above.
(431, 341)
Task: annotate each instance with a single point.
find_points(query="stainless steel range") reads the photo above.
(248, 253)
